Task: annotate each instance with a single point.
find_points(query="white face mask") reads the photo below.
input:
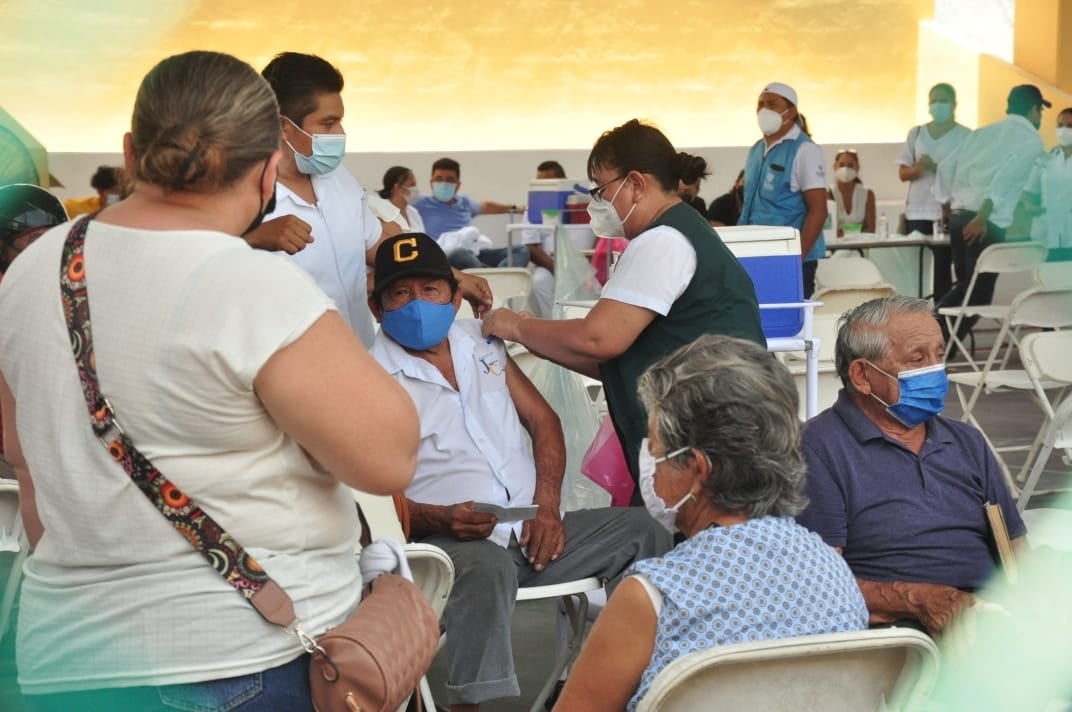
(604, 217)
(111, 199)
(845, 174)
(413, 195)
(769, 121)
(1064, 135)
(666, 516)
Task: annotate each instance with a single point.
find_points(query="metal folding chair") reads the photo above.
(1034, 307)
(1002, 258)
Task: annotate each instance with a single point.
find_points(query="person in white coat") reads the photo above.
(1048, 196)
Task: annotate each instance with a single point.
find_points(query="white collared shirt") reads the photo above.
(809, 166)
(343, 229)
(473, 446)
(991, 162)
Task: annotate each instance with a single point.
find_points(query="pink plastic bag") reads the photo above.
(604, 463)
(604, 246)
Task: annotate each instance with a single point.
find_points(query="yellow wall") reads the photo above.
(487, 74)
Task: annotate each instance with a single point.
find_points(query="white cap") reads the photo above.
(783, 90)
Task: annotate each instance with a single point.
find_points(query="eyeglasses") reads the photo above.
(597, 192)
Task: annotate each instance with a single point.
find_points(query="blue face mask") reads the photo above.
(941, 111)
(328, 152)
(922, 394)
(443, 192)
(419, 325)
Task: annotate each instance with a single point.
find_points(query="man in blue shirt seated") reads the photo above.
(895, 487)
(477, 410)
(446, 210)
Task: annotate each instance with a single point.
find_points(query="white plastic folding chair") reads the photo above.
(1002, 258)
(1046, 360)
(1054, 275)
(432, 568)
(510, 286)
(13, 545)
(848, 273)
(1034, 307)
(884, 669)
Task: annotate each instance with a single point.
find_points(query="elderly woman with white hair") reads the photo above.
(722, 465)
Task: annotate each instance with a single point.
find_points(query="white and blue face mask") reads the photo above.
(922, 393)
(419, 325)
(328, 152)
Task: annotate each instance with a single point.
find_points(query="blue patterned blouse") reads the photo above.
(763, 579)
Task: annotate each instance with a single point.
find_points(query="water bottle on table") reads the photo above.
(883, 227)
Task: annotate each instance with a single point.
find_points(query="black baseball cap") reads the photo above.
(24, 206)
(409, 254)
(1026, 96)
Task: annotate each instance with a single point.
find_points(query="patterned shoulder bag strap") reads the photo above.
(222, 552)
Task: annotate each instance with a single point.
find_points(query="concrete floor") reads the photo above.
(1012, 417)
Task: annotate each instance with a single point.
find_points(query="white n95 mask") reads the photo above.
(769, 121)
(845, 174)
(604, 219)
(666, 516)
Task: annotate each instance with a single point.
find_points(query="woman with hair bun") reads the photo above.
(675, 282)
(693, 172)
(233, 373)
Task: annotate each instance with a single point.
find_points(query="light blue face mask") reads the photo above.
(328, 152)
(419, 325)
(941, 111)
(922, 393)
(443, 192)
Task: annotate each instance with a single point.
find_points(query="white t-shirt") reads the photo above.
(920, 203)
(1051, 179)
(182, 323)
(388, 212)
(343, 229)
(855, 213)
(473, 446)
(654, 270)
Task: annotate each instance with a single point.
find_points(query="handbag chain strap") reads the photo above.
(222, 552)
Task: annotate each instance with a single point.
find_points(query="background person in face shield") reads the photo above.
(725, 469)
(895, 487)
(785, 177)
(675, 281)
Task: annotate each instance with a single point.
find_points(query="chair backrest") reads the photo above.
(1043, 308)
(881, 669)
(379, 511)
(837, 300)
(1046, 356)
(848, 273)
(1054, 275)
(1011, 257)
(506, 282)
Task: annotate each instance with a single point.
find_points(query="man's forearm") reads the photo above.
(549, 450)
(933, 605)
(809, 232)
(427, 519)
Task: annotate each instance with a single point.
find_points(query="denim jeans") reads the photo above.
(285, 688)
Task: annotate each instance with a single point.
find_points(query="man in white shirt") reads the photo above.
(475, 407)
(320, 215)
(981, 183)
(785, 177)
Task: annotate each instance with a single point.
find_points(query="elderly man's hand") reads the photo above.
(502, 324)
(936, 606)
(974, 230)
(476, 291)
(467, 525)
(544, 537)
(288, 233)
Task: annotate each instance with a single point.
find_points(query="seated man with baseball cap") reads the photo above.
(475, 406)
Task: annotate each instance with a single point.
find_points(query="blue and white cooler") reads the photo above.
(771, 256)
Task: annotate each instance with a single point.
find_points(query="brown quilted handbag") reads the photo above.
(374, 660)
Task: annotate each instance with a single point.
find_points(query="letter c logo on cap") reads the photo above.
(406, 255)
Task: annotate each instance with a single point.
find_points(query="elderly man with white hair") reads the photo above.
(785, 176)
(899, 490)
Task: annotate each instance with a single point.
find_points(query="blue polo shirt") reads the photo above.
(899, 516)
(447, 217)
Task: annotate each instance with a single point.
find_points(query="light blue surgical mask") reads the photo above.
(941, 111)
(328, 152)
(419, 325)
(922, 393)
(443, 192)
